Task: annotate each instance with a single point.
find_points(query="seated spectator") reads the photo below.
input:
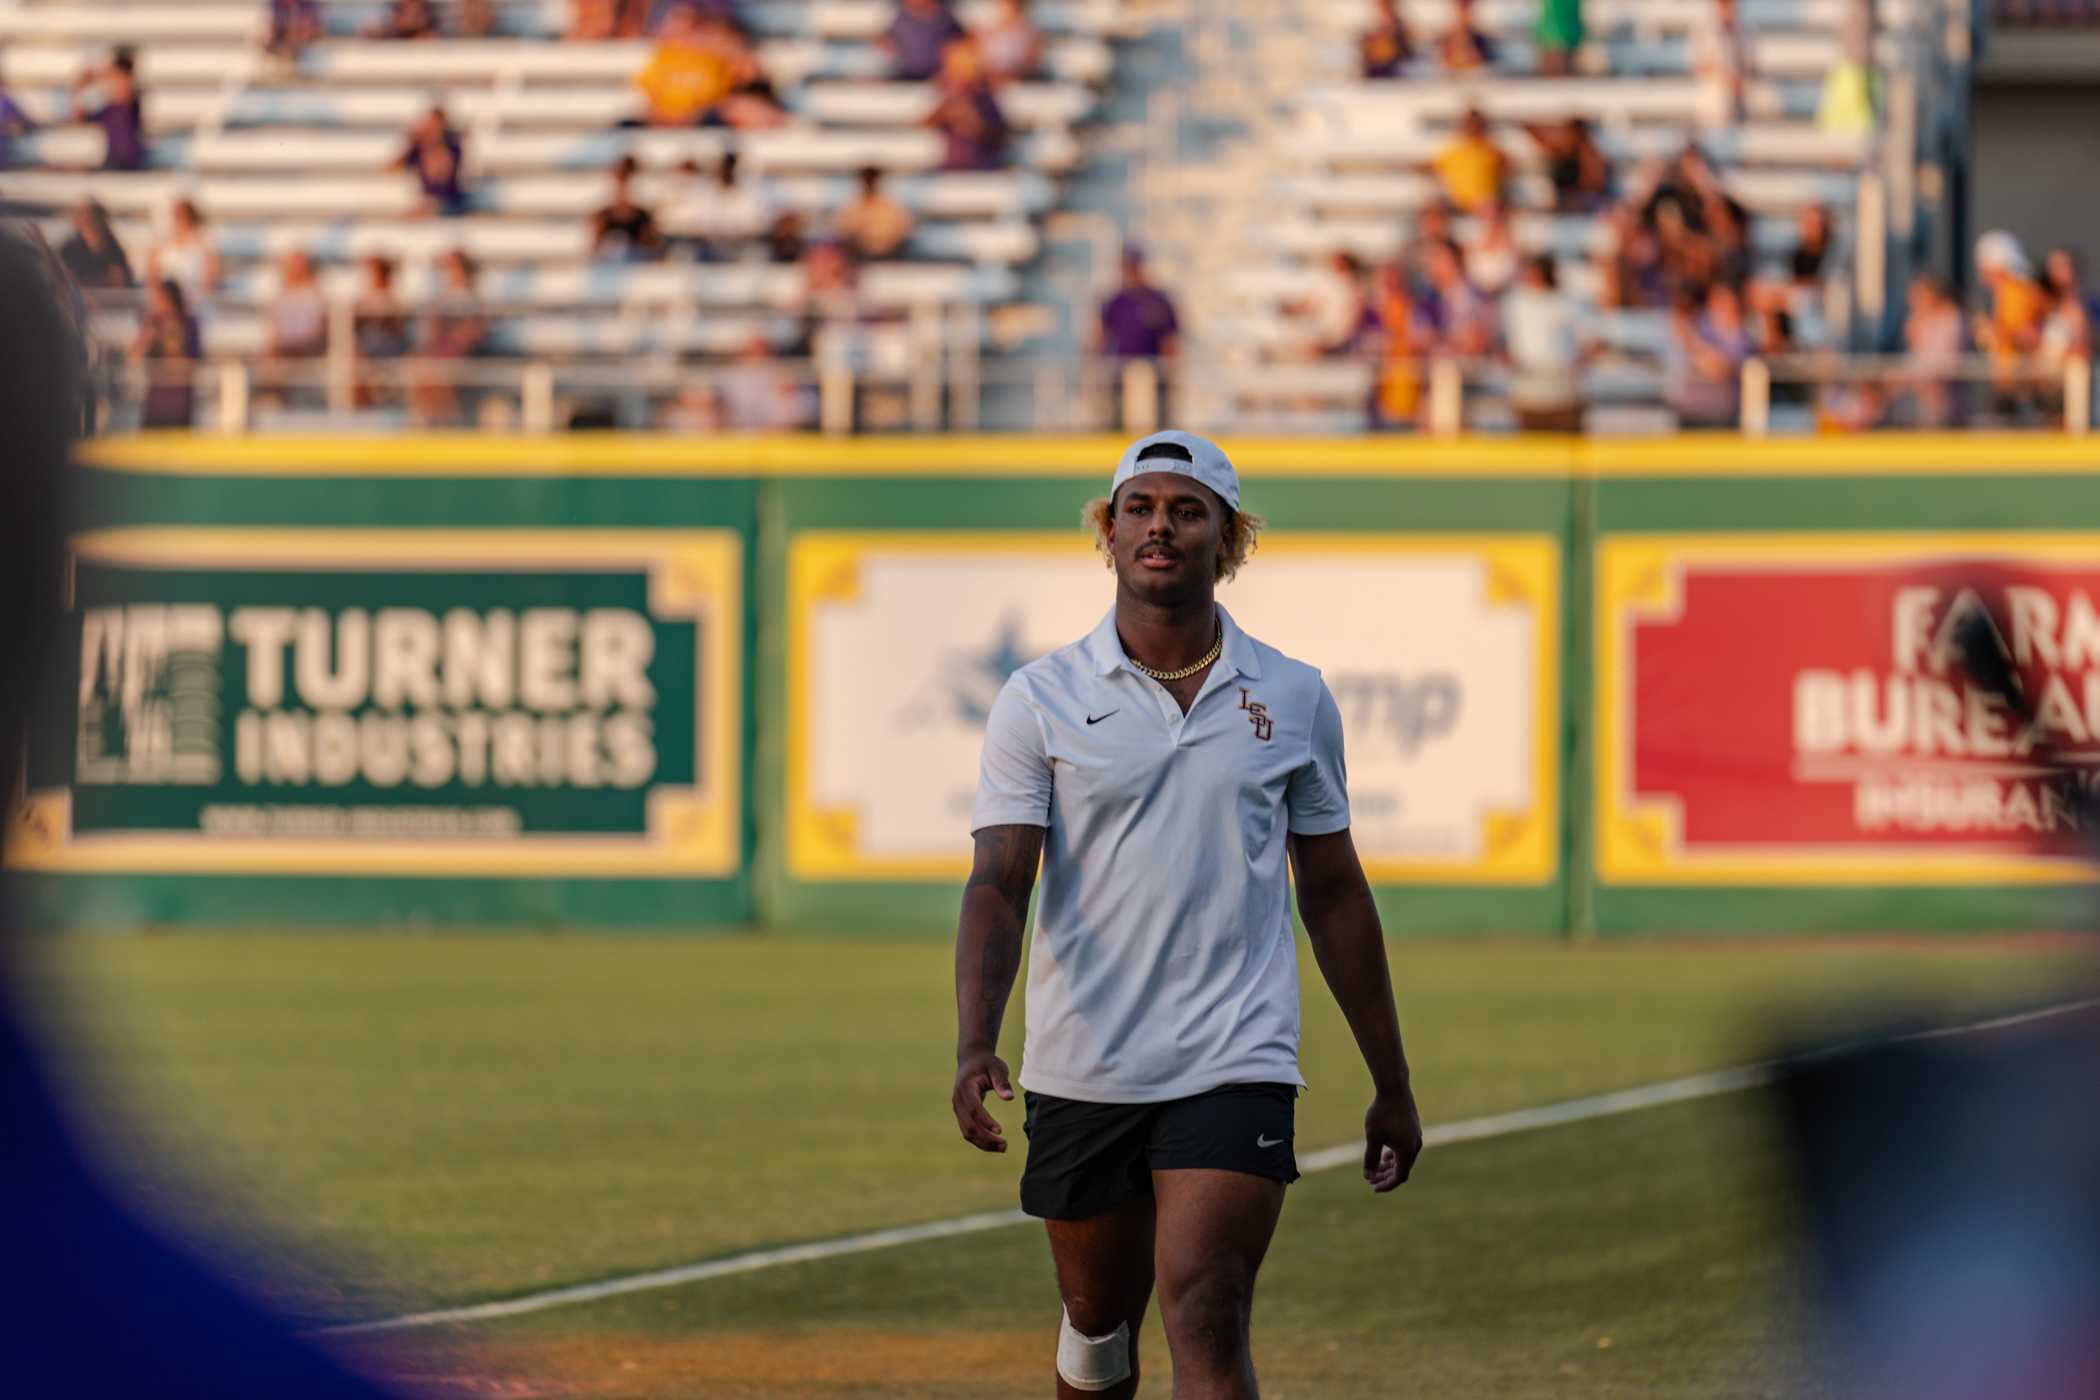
(1632, 271)
(1704, 230)
(1338, 313)
(1492, 255)
(758, 396)
(407, 19)
(1811, 246)
(14, 124)
(434, 154)
(1463, 318)
(1542, 336)
(720, 216)
(1011, 44)
(108, 96)
(91, 255)
(293, 24)
(1720, 62)
(1472, 169)
(185, 256)
(1559, 34)
(624, 231)
(788, 238)
(2013, 322)
(873, 226)
(607, 19)
(1703, 357)
(2011, 330)
(698, 408)
(1577, 166)
(1689, 258)
(454, 327)
(295, 324)
(1772, 338)
(379, 324)
(688, 76)
(477, 19)
(2063, 275)
(1690, 183)
(168, 347)
(1933, 342)
(1797, 294)
(967, 114)
(1463, 48)
(378, 316)
(751, 104)
(830, 293)
(1385, 49)
(917, 39)
(2066, 334)
(1404, 338)
(1434, 224)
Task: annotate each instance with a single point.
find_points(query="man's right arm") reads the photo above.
(987, 956)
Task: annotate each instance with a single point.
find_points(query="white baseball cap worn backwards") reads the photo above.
(1184, 454)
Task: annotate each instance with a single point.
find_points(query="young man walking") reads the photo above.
(1158, 771)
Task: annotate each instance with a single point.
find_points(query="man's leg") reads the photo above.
(1104, 1271)
(1213, 1227)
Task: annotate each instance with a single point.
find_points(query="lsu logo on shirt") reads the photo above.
(1258, 716)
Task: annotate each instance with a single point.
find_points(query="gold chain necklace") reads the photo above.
(1192, 668)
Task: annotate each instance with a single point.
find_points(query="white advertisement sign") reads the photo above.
(1441, 651)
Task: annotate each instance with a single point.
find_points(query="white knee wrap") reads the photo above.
(1092, 1363)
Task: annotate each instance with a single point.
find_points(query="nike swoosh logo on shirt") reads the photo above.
(1096, 719)
(1267, 1141)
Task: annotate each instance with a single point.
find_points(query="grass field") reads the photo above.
(429, 1121)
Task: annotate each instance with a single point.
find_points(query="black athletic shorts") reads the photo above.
(1084, 1158)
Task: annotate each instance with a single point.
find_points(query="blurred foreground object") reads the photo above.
(1951, 1183)
(1951, 1189)
(96, 1304)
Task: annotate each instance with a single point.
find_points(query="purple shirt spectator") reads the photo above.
(433, 155)
(13, 122)
(976, 130)
(916, 37)
(1703, 357)
(293, 25)
(124, 132)
(108, 97)
(1138, 322)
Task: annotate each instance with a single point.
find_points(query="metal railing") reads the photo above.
(1434, 396)
(1868, 392)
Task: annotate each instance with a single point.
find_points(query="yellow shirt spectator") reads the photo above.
(683, 82)
(2016, 311)
(1472, 170)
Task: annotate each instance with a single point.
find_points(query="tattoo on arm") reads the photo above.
(1006, 860)
(995, 906)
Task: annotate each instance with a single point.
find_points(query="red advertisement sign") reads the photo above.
(1798, 707)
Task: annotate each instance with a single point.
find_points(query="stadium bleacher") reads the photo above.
(1344, 164)
(295, 157)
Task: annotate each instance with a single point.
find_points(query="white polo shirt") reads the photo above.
(1163, 961)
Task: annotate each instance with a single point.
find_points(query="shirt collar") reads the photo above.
(1106, 648)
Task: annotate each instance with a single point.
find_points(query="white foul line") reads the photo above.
(1493, 1125)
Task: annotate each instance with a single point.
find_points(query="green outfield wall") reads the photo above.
(1589, 687)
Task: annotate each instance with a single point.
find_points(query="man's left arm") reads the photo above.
(1334, 899)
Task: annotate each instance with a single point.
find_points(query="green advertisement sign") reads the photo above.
(474, 703)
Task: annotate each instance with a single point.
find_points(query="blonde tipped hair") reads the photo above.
(1237, 540)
